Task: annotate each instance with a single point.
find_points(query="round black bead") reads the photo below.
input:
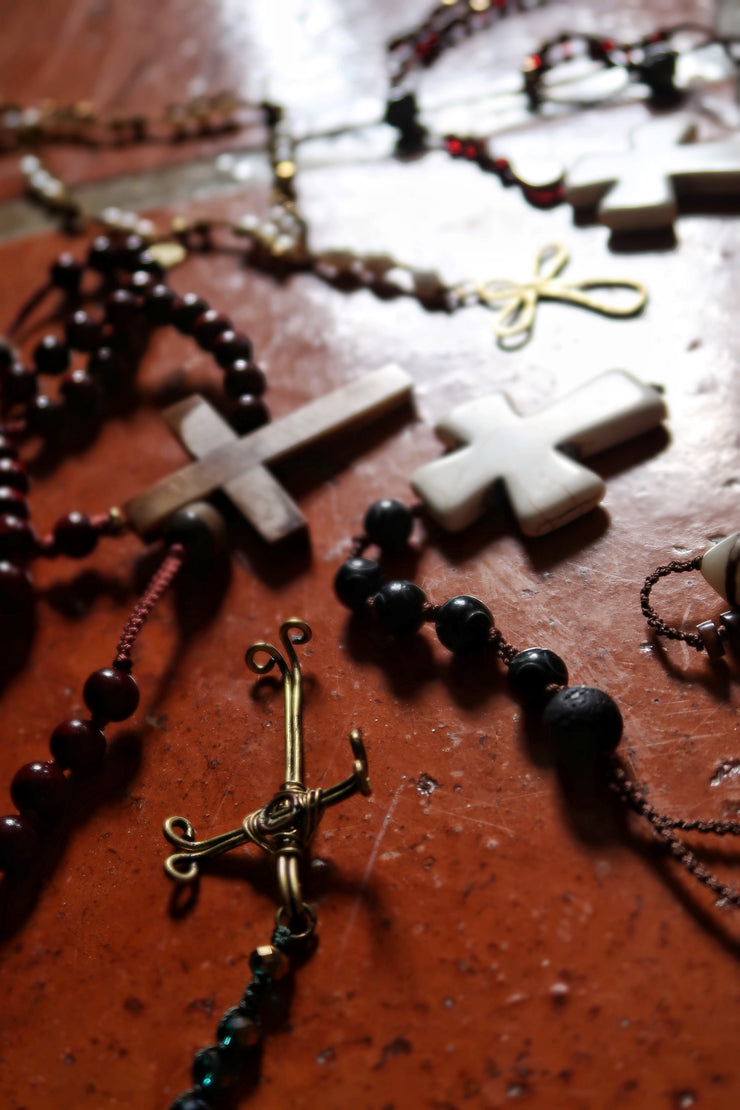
(356, 581)
(51, 355)
(584, 721)
(400, 607)
(200, 529)
(213, 1070)
(463, 624)
(237, 1031)
(388, 523)
(531, 671)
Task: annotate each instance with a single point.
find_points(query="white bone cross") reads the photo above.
(237, 464)
(635, 190)
(546, 489)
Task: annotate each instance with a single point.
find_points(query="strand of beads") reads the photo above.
(584, 724)
(39, 790)
(218, 1068)
(29, 125)
(135, 300)
(132, 299)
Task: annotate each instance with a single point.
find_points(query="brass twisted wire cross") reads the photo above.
(285, 825)
(518, 300)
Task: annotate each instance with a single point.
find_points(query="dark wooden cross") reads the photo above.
(238, 465)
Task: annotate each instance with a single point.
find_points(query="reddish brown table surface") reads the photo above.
(484, 939)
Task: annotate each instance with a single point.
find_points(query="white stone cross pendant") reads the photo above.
(545, 488)
(237, 465)
(635, 190)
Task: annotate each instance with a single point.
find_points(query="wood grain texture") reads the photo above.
(490, 933)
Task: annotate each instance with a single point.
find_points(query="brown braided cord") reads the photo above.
(677, 566)
(663, 825)
(161, 580)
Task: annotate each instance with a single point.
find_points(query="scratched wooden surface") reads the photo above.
(485, 938)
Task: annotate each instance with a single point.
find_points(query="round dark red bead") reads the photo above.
(66, 273)
(209, 327)
(16, 588)
(231, 347)
(75, 535)
(51, 355)
(13, 503)
(104, 366)
(244, 378)
(40, 790)
(186, 310)
(17, 538)
(18, 843)
(83, 332)
(248, 413)
(19, 384)
(159, 304)
(14, 475)
(102, 255)
(122, 308)
(45, 416)
(111, 694)
(7, 448)
(79, 745)
(81, 392)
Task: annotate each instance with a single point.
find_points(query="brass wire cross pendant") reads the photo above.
(285, 825)
(518, 300)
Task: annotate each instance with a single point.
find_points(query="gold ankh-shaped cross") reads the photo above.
(518, 300)
(285, 825)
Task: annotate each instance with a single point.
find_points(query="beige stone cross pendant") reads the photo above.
(238, 465)
(546, 488)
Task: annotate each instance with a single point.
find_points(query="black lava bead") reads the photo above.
(531, 671)
(463, 624)
(388, 523)
(356, 581)
(200, 529)
(584, 721)
(400, 606)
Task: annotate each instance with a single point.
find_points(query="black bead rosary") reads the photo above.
(583, 723)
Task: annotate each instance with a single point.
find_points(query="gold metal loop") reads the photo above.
(281, 918)
(518, 300)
